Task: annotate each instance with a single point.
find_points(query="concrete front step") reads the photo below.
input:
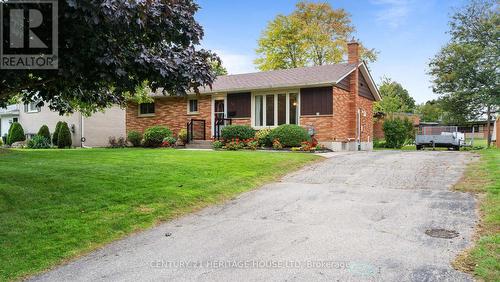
(199, 144)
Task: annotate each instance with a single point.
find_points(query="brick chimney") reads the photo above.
(353, 58)
(353, 52)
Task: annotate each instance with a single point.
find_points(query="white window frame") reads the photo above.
(287, 92)
(146, 115)
(31, 107)
(197, 106)
(218, 96)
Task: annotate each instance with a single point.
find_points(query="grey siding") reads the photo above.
(96, 129)
(32, 122)
(100, 126)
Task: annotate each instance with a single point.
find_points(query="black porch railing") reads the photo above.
(196, 130)
(219, 124)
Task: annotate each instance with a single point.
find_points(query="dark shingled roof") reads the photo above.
(316, 75)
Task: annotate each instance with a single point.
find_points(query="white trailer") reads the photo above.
(439, 136)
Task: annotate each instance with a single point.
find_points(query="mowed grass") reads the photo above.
(483, 177)
(58, 204)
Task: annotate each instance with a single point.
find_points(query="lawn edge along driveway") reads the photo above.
(483, 179)
(56, 205)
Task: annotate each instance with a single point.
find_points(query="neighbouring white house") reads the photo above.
(8, 115)
(93, 131)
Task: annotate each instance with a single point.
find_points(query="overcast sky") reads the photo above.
(407, 33)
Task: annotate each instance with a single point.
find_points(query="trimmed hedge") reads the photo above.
(153, 136)
(241, 132)
(16, 133)
(55, 136)
(289, 135)
(44, 131)
(64, 136)
(134, 138)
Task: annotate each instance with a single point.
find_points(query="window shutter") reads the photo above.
(317, 100)
(239, 105)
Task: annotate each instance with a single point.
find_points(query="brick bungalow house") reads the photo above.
(332, 101)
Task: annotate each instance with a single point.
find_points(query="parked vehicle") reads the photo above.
(439, 136)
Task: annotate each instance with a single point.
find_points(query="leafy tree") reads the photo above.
(430, 111)
(218, 68)
(64, 136)
(16, 133)
(55, 136)
(465, 71)
(314, 34)
(326, 31)
(397, 132)
(44, 131)
(281, 45)
(394, 98)
(108, 48)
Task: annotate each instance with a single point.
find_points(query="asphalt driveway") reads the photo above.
(356, 216)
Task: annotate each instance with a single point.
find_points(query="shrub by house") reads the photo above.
(241, 132)
(153, 136)
(64, 136)
(263, 137)
(16, 133)
(397, 132)
(44, 131)
(55, 136)
(39, 142)
(289, 135)
(134, 138)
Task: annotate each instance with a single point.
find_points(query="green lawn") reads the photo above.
(484, 177)
(58, 204)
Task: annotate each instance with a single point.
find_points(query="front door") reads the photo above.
(219, 116)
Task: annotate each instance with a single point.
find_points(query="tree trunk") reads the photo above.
(488, 113)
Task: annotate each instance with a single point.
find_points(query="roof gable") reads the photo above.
(363, 89)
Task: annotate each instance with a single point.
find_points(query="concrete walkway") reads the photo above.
(353, 217)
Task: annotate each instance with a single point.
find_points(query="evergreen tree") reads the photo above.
(44, 131)
(56, 133)
(64, 136)
(16, 133)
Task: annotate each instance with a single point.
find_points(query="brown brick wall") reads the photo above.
(170, 112)
(322, 126)
(378, 128)
(342, 112)
(339, 126)
(366, 106)
(242, 121)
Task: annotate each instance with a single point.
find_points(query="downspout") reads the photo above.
(82, 129)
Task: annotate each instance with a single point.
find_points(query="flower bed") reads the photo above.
(291, 138)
